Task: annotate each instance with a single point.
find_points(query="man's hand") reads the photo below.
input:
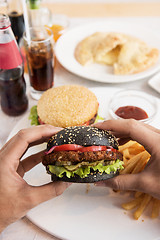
(16, 196)
(148, 181)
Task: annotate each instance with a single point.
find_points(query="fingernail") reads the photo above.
(56, 128)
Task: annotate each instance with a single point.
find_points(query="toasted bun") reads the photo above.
(83, 135)
(68, 105)
(90, 179)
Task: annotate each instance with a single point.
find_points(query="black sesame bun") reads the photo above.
(83, 135)
(82, 154)
(92, 178)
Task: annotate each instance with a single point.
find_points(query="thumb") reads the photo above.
(46, 192)
(121, 182)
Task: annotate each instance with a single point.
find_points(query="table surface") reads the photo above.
(24, 229)
(103, 9)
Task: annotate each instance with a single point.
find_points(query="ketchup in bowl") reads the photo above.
(134, 112)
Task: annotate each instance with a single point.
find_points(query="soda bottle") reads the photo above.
(12, 84)
(16, 17)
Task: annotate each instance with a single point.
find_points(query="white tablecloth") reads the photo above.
(24, 229)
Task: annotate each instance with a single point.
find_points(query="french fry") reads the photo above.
(140, 164)
(126, 145)
(138, 194)
(133, 204)
(126, 153)
(144, 202)
(136, 149)
(135, 158)
(155, 208)
(125, 160)
(132, 163)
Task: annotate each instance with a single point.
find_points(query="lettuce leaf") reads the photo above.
(84, 171)
(98, 118)
(33, 116)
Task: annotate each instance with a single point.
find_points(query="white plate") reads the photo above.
(154, 82)
(78, 215)
(66, 45)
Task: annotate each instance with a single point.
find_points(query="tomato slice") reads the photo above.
(92, 149)
(111, 149)
(75, 147)
(67, 147)
(86, 123)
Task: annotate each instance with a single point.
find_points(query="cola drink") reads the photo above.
(17, 24)
(12, 89)
(12, 84)
(15, 13)
(40, 60)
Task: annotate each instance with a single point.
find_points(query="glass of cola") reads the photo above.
(40, 60)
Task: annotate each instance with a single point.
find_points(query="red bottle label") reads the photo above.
(9, 55)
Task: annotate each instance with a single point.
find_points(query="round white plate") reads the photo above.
(154, 82)
(76, 214)
(66, 44)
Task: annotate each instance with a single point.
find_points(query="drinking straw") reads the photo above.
(26, 20)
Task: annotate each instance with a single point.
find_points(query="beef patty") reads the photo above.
(75, 157)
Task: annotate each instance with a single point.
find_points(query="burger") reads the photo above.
(65, 106)
(82, 154)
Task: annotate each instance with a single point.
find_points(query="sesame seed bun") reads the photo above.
(68, 105)
(84, 136)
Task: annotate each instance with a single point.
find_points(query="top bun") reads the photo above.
(68, 105)
(84, 136)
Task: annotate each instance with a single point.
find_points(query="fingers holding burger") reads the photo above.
(82, 154)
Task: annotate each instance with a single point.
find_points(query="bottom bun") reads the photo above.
(90, 179)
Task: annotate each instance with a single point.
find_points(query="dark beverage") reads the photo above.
(12, 84)
(12, 90)
(42, 78)
(17, 24)
(40, 62)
